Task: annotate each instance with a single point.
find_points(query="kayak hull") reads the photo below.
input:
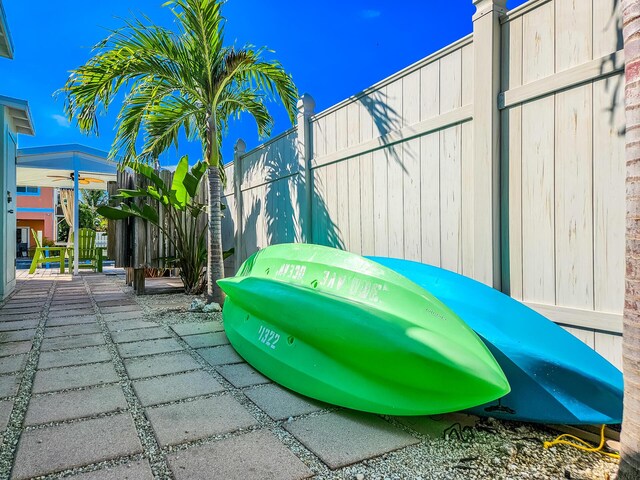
(336, 327)
(554, 377)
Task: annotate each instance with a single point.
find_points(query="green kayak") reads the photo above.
(339, 328)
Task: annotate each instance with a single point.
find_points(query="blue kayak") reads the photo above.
(554, 377)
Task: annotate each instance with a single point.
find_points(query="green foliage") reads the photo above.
(179, 202)
(177, 81)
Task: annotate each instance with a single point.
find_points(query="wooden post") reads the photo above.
(238, 151)
(486, 142)
(138, 281)
(306, 107)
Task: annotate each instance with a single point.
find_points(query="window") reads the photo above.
(28, 190)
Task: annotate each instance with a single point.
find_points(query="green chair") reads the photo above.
(46, 254)
(87, 250)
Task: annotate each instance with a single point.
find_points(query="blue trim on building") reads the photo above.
(38, 210)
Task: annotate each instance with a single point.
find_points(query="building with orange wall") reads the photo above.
(35, 210)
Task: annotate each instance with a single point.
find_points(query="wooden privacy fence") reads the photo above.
(137, 244)
(500, 156)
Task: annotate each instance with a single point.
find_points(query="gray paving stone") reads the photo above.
(114, 317)
(123, 325)
(68, 330)
(16, 335)
(6, 326)
(206, 340)
(5, 413)
(65, 306)
(149, 347)
(62, 321)
(343, 438)
(159, 365)
(220, 355)
(122, 309)
(17, 317)
(74, 356)
(138, 470)
(12, 364)
(199, 418)
(11, 305)
(78, 404)
(183, 329)
(73, 377)
(72, 313)
(77, 341)
(5, 313)
(253, 456)
(14, 348)
(61, 447)
(280, 403)
(176, 387)
(8, 385)
(242, 375)
(139, 334)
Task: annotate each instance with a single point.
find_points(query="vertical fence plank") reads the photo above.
(381, 217)
(430, 198)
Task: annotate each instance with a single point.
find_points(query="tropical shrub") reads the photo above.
(180, 204)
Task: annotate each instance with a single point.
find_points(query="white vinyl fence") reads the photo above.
(500, 157)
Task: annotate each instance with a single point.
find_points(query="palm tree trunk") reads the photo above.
(630, 439)
(215, 261)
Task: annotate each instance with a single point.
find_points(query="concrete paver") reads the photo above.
(160, 365)
(139, 334)
(12, 364)
(24, 324)
(112, 308)
(5, 413)
(70, 330)
(148, 347)
(8, 385)
(138, 470)
(13, 348)
(114, 317)
(195, 328)
(73, 377)
(175, 387)
(343, 438)
(61, 447)
(122, 325)
(16, 335)
(200, 418)
(252, 456)
(77, 341)
(220, 355)
(74, 356)
(206, 340)
(242, 375)
(72, 313)
(280, 403)
(78, 320)
(77, 404)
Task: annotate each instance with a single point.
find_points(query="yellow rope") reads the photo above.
(582, 445)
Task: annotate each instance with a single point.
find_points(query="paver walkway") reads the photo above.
(91, 386)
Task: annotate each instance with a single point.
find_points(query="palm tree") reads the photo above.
(179, 81)
(630, 440)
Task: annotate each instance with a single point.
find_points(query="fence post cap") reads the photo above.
(240, 146)
(306, 104)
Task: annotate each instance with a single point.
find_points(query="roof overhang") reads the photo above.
(6, 44)
(19, 113)
(48, 166)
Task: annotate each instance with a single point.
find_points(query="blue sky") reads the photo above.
(333, 49)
